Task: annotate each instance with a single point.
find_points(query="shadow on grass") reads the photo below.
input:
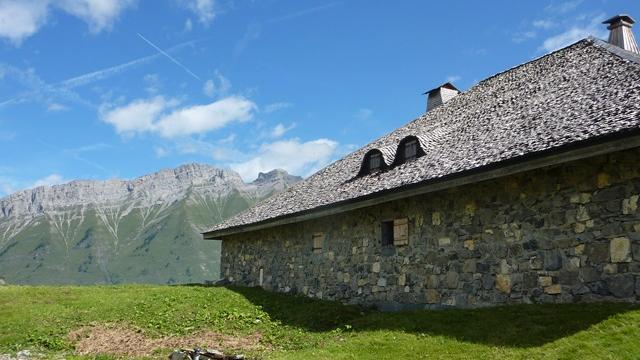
(512, 326)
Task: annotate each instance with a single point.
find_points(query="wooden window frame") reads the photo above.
(410, 144)
(378, 158)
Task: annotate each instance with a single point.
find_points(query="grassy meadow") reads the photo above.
(139, 321)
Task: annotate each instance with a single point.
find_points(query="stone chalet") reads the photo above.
(523, 189)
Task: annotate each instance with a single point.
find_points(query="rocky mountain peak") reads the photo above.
(276, 175)
(166, 185)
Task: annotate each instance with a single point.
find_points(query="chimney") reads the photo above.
(440, 95)
(621, 34)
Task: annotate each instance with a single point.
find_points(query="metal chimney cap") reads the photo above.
(621, 18)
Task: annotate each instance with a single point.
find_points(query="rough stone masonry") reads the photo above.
(561, 234)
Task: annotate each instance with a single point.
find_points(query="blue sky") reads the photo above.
(99, 89)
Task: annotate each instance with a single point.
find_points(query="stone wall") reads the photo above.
(568, 233)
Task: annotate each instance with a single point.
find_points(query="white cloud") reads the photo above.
(137, 116)
(20, 19)
(98, 14)
(302, 158)
(276, 107)
(280, 130)
(203, 9)
(575, 33)
(53, 179)
(200, 119)
(156, 115)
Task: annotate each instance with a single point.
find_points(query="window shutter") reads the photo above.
(401, 231)
(318, 242)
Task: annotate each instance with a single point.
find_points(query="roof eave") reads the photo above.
(570, 152)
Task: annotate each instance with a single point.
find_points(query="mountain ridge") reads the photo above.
(146, 229)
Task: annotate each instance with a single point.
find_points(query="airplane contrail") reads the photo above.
(64, 87)
(170, 57)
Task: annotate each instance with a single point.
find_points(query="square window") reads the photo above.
(387, 233)
(375, 162)
(318, 242)
(410, 150)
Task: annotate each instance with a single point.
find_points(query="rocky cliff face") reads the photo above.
(141, 230)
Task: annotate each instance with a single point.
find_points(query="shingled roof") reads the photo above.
(588, 90)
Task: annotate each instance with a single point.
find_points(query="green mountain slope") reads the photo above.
(145, 230)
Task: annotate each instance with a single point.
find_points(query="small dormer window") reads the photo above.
(410, 150)
(375, 162)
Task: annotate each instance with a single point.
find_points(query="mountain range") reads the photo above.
(145, 230)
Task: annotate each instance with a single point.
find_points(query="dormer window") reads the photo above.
(375, 162)
(410, 150)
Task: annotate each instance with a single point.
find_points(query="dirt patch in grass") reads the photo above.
(122, 340)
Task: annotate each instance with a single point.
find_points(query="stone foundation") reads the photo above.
(568, 233)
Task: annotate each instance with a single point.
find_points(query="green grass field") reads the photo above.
(267, 325)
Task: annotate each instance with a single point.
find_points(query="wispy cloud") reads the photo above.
(203, 9)
(76, 153)
(575, 33)
(38, 89)
(296, 157)
(280, 129)
(523, 36)
(251, 34)
(53, 107)
(562, 6)
(363, 113)
(170, 57)
(543, 24)
(302, 12)
(161, 151)
(453, 78)
(217, 86)
(276, 107)
(153, 83)
(53, 179)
